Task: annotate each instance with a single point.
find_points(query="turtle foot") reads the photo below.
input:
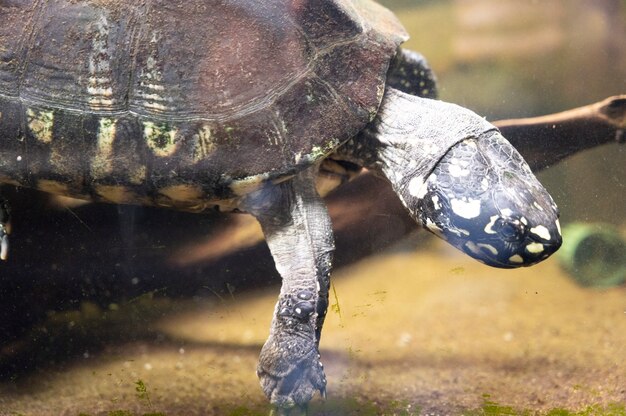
(293, 411)
(289, 379)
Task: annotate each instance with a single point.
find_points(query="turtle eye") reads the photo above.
(510, 229)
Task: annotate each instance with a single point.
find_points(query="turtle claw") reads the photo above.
(290, 382)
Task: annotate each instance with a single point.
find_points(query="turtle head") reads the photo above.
(483, 199)
(461, 179)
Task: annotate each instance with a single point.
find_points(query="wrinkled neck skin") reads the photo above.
(458, 177)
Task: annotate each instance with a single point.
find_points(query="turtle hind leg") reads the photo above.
(5, 217)
(409, 72)
(299, 234)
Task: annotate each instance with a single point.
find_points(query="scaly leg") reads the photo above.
(299, 234)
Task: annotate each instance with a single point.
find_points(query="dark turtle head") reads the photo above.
(483, 199)
(461, 179)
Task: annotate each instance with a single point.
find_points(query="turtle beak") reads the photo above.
(510, 247)
(491, 207)
(530, 254)
(510, 241)
(541, 243)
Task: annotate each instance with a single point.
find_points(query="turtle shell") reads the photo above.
(215, 92)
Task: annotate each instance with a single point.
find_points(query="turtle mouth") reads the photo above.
(526, 255)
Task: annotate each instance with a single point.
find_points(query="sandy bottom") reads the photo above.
(425, 332)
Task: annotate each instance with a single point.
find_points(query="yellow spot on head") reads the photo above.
(535, 248)
(40, 124)
(417, 187)
(541, 232)
(489, 248)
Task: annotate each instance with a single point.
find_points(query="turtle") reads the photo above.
(239, 106)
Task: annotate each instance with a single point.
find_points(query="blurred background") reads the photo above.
(99, 313)
(512, 59)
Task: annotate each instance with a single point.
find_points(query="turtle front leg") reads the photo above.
(299, 234)
(5, 217)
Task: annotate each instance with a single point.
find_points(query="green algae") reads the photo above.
(338, 407)
(492, 408)
(353, 406)
(613, 409)
(142, 392)
(335, 306)
(127, 413)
